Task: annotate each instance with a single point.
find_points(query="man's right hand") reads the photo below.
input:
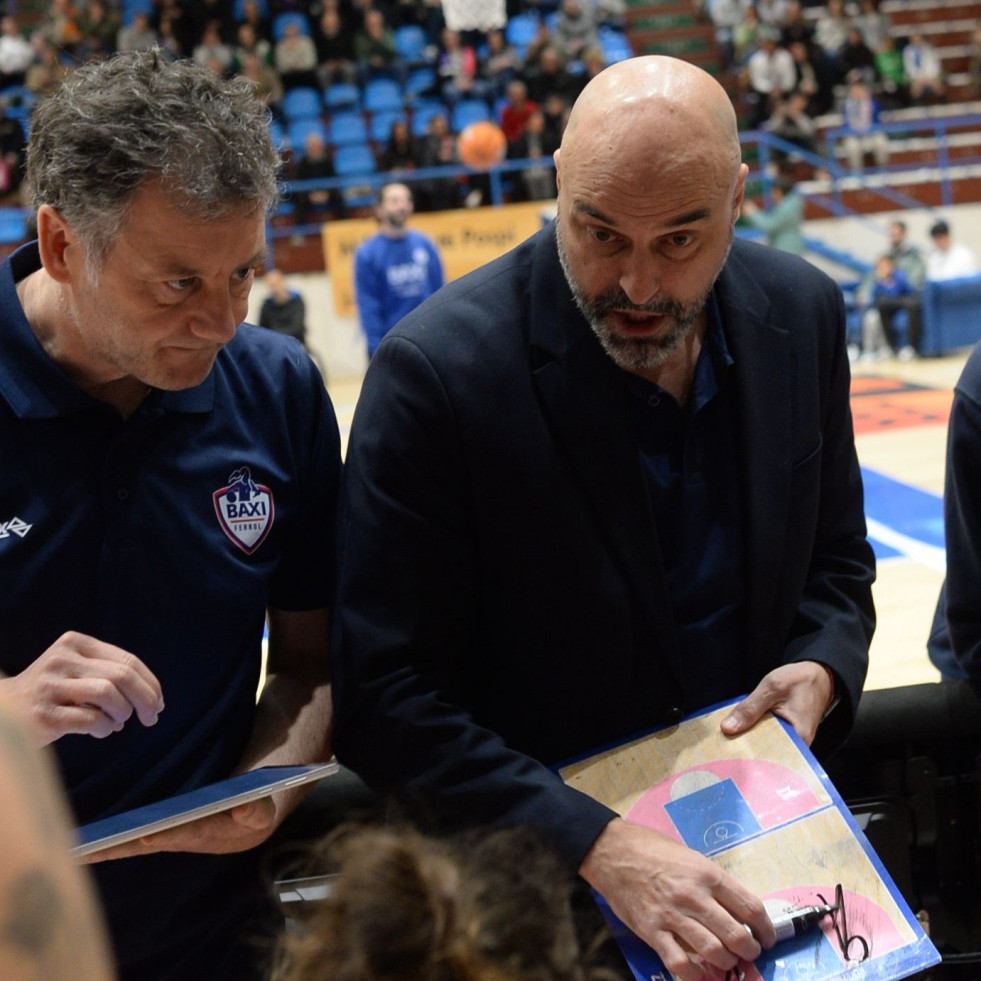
(82, 685)
(679, 902)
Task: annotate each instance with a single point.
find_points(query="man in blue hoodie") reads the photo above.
(395, 270)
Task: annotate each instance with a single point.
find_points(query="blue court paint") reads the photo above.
(903, 520)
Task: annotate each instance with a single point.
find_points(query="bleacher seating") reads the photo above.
(382, 95)
(342, 95)
(347, 127)
(423, 111)
(289, 17)
(951, 315)
(410, 43)
(382, 122)
(468, 111)
(303, 102)
(298, 130)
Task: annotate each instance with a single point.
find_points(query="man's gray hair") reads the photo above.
(115, 125)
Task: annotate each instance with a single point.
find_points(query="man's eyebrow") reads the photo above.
(686, 219)
(180, 270)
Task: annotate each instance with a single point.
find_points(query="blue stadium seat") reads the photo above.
(382, 95)
(418, 81)
(410, 43)
(468, 111)
(130, 8)
(277, 134)
(290, 16)
(303, 102)
(347, 127)
(13, 225)
(296, 133)
(355, 160)
(423, 111)
(342, 95)
(520, 31)
(381, 124)
(615, 45)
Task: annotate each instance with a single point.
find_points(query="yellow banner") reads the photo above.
(465, 240)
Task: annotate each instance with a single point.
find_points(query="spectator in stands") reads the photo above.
(401, 151)
(516, 110)
(60, 26)
(374, 47)
(174, 26)
(247, 42)
(499, 65)
(745, 38)
(532, 58)
(770, 75)
(948, 259)
(295, 57)
(830, 33)
(315, 163)
(16, 52)
(890, 313)
(252, 14)
(47, 73)
(893, 89)
(872, 23)
(796, 27)
(456, 68)
(265, 78)
(924, 72)
(791, 122)
(534, 143)
(99, 27)
(772, 12)
(283, 310)
(856, 56)
(806, 80)
(335, 49)
(438, 149)
(201, 13)
(550, 76)
(555, 113)
(574, 29)
(394, 270)
(781, 222)
(493, 907)
(725, 15)
(212, 50)
(138, 35)
(863, 132)
(908, 259)
(13, 145)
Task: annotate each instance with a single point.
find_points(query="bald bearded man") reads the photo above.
(604, 481)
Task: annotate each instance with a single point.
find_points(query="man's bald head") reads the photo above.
(649, 109)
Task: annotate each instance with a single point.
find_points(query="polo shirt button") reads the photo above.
(122, 493)
(674, 714)
(654, 401)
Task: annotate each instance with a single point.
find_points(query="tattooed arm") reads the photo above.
(50, 927)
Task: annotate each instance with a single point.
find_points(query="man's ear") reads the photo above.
(58, 245)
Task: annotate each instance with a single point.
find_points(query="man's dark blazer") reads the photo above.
(502, 599)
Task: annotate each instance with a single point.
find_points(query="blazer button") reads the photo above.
(674, 714)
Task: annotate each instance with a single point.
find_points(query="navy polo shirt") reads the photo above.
(690, 461)
(167, 534)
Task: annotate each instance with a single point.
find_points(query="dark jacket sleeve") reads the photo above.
(408, 612)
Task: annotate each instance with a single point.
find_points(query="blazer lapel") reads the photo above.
(582, 395)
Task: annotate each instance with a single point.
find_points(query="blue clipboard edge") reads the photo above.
(923, 952)
(212, 798)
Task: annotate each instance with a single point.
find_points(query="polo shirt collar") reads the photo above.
(33, 385)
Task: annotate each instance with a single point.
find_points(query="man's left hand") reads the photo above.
(235, 830)
(799, 692)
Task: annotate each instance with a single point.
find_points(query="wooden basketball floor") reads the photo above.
(900, 413)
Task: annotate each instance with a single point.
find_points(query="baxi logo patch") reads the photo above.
(245, 510)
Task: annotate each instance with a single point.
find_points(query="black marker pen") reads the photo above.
(798, 921)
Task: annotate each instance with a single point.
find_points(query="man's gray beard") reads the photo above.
(636, 354)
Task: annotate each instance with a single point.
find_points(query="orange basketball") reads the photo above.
(481, 144)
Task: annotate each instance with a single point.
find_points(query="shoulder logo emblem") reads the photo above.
(245, 510)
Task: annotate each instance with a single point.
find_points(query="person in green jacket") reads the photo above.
(781, 223)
